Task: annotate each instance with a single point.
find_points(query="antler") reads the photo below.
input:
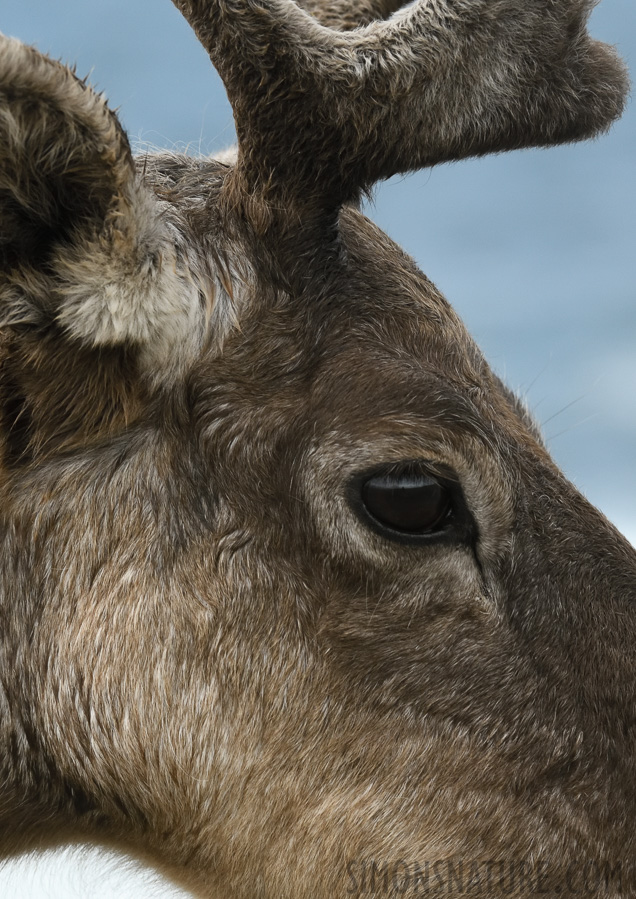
(322, 114)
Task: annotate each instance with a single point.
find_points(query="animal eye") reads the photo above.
(410, 502)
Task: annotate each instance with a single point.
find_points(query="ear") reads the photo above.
(82, 242)
(91, 269)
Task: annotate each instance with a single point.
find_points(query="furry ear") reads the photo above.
(65, 160)
(84, 246)
(98, 300)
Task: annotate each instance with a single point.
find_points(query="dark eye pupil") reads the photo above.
(409, 502)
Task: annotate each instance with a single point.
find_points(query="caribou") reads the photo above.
(294, 603)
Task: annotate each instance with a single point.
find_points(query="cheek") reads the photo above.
(415, 634)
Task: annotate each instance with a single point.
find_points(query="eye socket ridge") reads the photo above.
(411, 502)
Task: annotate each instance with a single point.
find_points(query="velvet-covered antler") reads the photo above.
(322, 114)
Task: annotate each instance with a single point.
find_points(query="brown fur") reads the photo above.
(207, 655)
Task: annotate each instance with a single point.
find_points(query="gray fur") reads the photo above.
(209, 656)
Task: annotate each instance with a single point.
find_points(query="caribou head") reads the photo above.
(290, 588)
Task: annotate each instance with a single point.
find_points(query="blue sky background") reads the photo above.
(535, 249)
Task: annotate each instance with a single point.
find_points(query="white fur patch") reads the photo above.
(228, 156)
(134, 284)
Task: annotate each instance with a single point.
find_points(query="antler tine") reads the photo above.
(321, 114)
